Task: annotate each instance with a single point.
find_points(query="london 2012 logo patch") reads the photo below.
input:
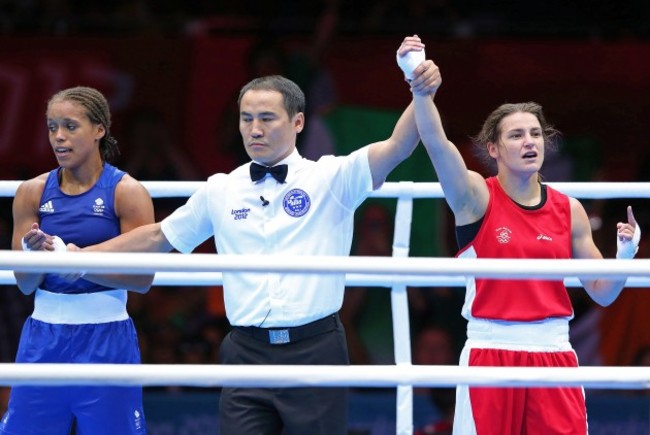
(296, 202)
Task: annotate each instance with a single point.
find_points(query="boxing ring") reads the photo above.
(396, 272)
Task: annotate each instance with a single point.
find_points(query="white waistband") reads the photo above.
(77, 309)
(544, 335)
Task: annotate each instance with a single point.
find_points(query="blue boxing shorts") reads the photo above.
(97, 410)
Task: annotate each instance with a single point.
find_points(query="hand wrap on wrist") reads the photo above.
(410, 61)
(59, 245)
(627, 249)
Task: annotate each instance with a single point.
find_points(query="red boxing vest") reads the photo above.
(510, 231)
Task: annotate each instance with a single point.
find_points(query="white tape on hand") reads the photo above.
(627, 249)
(26, 247)
(410, 61)
(59, 245)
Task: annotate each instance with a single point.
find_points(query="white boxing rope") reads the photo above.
(603, 190)
(375, 376)
(585, 190)
(157, 189)
(351, 280)
(400, 307)
(139, 263)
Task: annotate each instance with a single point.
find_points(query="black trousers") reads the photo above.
(286, 411)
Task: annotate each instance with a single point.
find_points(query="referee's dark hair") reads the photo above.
(293, 96)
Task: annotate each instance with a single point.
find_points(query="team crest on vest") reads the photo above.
(99, 207)
(503, 234)
(296, 202)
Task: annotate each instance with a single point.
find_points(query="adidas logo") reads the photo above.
(47, 207)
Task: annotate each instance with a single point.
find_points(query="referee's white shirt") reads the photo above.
(312, 213)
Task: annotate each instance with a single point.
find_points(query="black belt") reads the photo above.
(291, 334)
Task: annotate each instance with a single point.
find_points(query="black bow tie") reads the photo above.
(278, 172)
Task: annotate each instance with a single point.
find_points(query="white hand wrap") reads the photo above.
(626, 249)
(410, 61)
(26, 247)
(59, 245)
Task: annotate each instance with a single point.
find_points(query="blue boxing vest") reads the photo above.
(85, 219)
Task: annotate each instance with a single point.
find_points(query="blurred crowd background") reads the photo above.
(172, 71)
(444, 18)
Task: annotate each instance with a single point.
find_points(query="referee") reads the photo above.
(282, 204)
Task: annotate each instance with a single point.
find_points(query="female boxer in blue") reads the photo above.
(78, 318)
